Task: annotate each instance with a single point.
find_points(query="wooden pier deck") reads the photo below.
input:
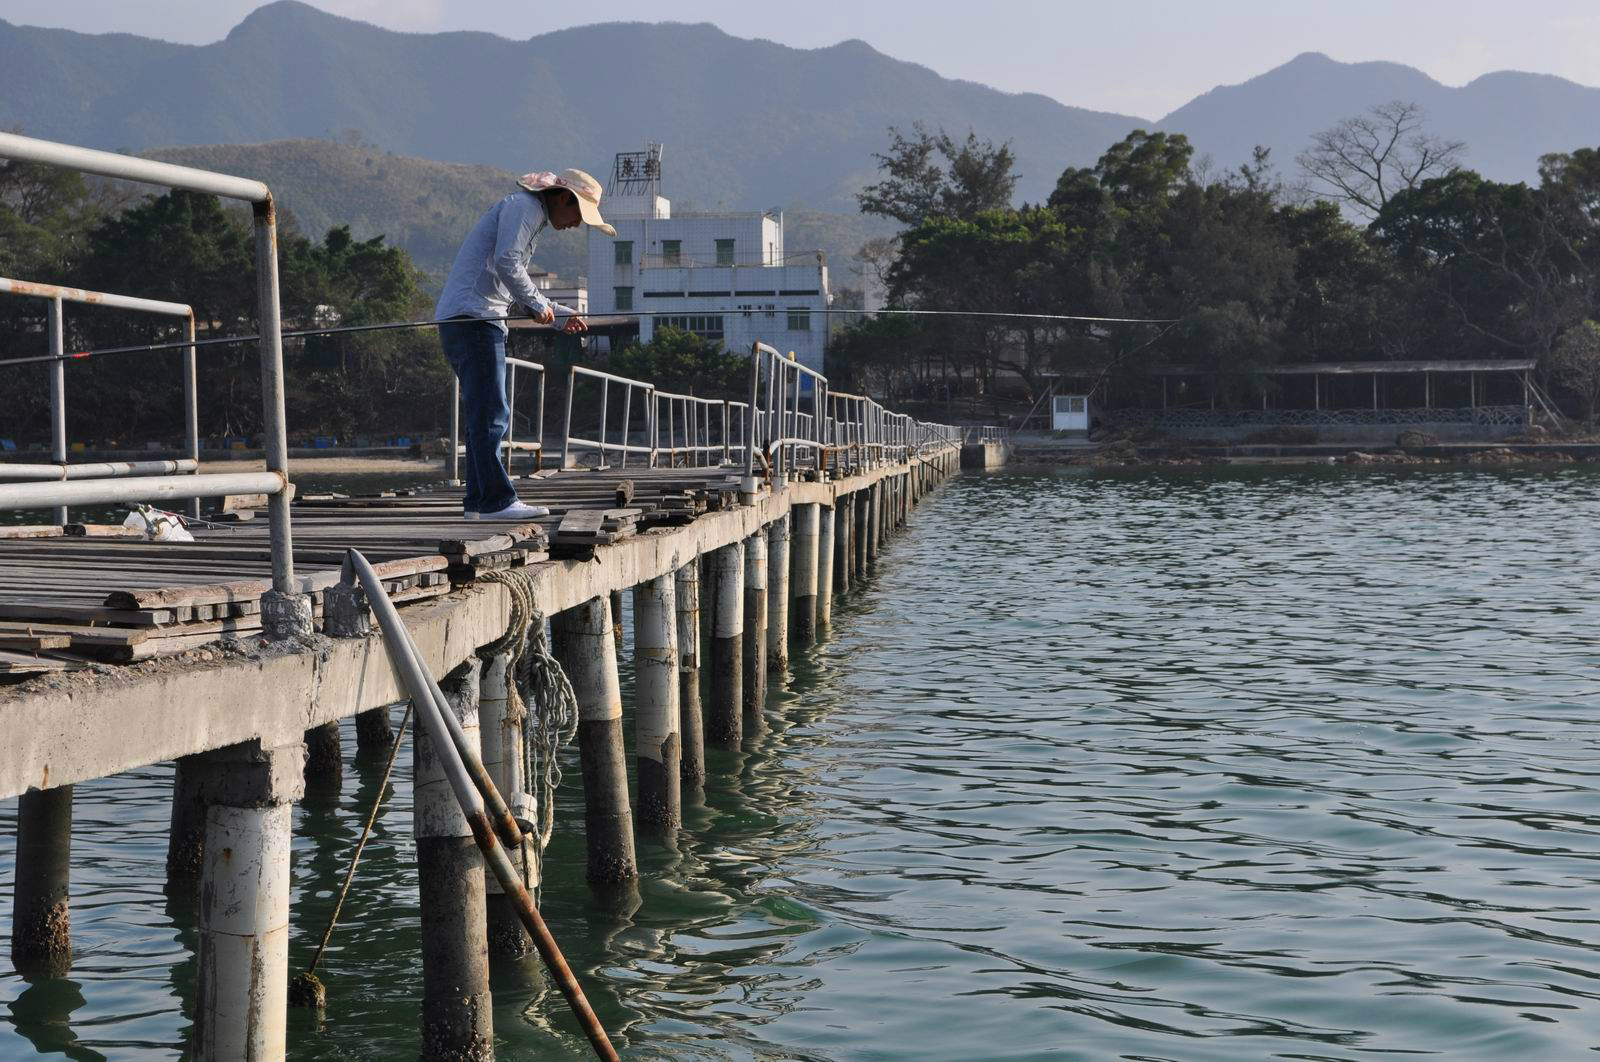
(75, 595)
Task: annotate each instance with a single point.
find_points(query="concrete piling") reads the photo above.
(186, 833)
(843, 548)
(874, 521)
(41, 924)
(373, 730)
(457, 1010)
(242, 1001)
(588, 651)
(858, 536)
(656, 679)
(724, 724)
(500, 742)
(778, 595)
(826, 546)
(691, 728)
(757, 576)
(803, 546)
(324, 756)
(616, 622)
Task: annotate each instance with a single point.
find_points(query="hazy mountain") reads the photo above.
(746, 123)
(1507, 119)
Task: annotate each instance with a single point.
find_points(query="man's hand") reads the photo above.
(575, 325)
(545, 316)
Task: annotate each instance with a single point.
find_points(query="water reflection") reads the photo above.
(1200, 764)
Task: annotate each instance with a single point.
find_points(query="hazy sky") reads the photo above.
(1140, 57)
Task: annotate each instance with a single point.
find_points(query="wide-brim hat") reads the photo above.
(583, 187)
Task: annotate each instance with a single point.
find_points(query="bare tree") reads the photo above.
(1363, 161)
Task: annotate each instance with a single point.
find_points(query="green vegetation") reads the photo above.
(188, 248)
(1249, 273)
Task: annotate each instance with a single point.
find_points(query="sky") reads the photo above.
(1137, 57)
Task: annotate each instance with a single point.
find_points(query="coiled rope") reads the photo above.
(536, 679)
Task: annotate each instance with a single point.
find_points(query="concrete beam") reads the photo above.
(66, 729)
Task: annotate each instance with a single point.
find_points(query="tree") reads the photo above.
(683, 362)
(1363, 161)
(973, 177)
(1575, 364)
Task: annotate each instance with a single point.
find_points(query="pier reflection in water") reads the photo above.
(1199, 764)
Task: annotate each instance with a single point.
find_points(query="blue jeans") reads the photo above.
(476, 350)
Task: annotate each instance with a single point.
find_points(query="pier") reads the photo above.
(734, 523)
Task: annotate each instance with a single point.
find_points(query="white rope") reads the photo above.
(535, 679)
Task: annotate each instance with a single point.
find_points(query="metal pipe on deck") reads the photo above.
(457, 1009)
(244, 902)
(589, 657)
(41, 922)
(655, 683)
(757, 591)
(147, 489)
(724, 725)
(778, 596)
(823, 609)
(500, 737)
(803, 546)
(56, 473)
(691, 727)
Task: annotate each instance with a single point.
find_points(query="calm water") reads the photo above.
(1171, 765)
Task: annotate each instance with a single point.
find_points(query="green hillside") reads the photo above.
(426, 207)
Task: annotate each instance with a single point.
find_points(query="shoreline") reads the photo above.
(1128, 454)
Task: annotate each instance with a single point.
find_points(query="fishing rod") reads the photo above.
(221, 341)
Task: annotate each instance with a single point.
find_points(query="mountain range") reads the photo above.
(407, 133)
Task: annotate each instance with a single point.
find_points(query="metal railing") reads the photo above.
(56, 295)
(700, 431)
(509, 444)
(989, 433)
(275, 481)
(602, 442)
(792, 436)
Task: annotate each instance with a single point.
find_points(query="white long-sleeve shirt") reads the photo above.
(491, 269)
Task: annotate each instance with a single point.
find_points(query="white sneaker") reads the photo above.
(517, 511)
(467, 514)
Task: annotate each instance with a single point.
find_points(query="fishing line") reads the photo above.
(218, 341)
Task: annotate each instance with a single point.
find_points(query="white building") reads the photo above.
(723, 276)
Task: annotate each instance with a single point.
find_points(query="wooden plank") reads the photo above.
(33, 642)
(89, 615)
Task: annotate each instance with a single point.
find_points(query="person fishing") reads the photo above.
(489, 274)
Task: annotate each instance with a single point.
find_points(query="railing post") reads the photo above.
(58, 394)
(284, 613)
(455, 428)
(749, 485)
(511, 418)
(191, 407)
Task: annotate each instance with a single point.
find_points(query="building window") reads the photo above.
(671, 252)
(704, 325)
(624, 252)
(624, 299)
(724, 252)
(799, 319)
